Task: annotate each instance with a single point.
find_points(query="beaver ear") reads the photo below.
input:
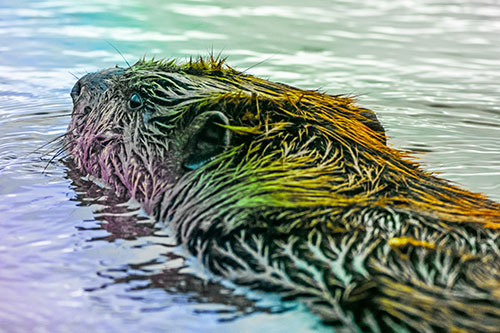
(207, 138)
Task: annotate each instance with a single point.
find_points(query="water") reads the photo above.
(72, 257)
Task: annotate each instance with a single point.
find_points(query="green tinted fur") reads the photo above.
(297, 192)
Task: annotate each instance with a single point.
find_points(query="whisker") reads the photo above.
(56, 141)
(259, 63)
(60, 115)
(119, 53)
(76, 77)
(55, 149)
(62, 150)
(59, 137)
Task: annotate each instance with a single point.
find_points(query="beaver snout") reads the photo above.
(94, 83)
(75, 92)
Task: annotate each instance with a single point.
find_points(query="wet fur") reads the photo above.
(303, 196)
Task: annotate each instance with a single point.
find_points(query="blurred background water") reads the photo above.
(73, 258)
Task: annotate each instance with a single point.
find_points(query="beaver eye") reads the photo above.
(135, 101)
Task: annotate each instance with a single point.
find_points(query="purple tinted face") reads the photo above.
(90, 136)
(105, 136)
(125, 130)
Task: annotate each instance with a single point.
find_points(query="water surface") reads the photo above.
(73, 257)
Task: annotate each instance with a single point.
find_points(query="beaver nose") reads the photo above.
(95, 83)
(75, 92)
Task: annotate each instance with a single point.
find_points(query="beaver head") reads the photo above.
(140, 129)
(278, 187)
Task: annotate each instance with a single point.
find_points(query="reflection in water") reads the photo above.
(122, 220)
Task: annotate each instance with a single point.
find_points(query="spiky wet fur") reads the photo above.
(308, 200)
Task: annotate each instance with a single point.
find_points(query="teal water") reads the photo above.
(73, 258)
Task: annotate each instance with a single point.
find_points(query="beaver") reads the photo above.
(291, 191)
